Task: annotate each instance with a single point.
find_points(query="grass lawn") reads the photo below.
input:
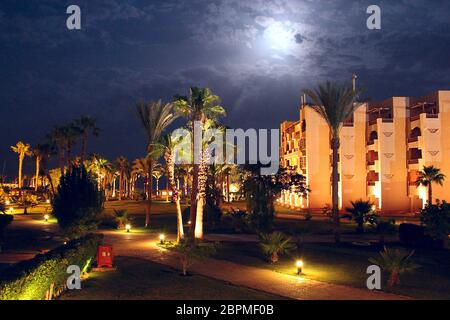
(346, 265)
(138, 279)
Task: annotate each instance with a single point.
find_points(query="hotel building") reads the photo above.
(384, 145)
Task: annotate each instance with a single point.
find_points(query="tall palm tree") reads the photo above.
(86, 125)
(141, 167)
(427, 177)
(46, 151)
(154, 117)
(200, 105)
(335, 104)
(39, 152)
(22, 149)
(57, 137)
(167, 146)
(122, 164)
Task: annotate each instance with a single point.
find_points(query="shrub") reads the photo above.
(78, 202)
(436, 219)
(383, 228)
(32, 279)
(189, 253)
(275, 244)
(395, 262)
(414, 235)
(361, 212)
(121, 218)
(308, 215)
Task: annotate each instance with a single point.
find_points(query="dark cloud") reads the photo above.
(257, 55)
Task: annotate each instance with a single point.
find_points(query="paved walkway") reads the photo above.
(144, 246)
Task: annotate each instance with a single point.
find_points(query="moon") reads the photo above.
(279, 37)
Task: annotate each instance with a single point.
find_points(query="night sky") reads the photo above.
(257, 55)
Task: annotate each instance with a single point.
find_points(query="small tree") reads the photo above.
(361, 212)
(262, 191)
(395, 262)
(26, 201)
(436, 219)
(427, 177)
(275, 245)
(78, 202)
(189, 252)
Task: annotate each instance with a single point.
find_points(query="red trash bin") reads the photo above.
(104, 256)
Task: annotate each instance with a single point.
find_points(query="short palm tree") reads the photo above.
(22, 149)
(427, 177)
(395, 262)
(154, 117)
(275, 244)
(199, 106)
(361, 212)
(335, 104)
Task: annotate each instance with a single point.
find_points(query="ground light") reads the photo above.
(47, 201)
(46, 217)
(299, 265)
(162, 238)
(128, 227)
(7, 202)
(11, 210)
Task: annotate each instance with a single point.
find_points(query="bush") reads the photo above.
(189, 253)
(32, 279)
(436, 219)
(383, 228)
(275, 244)
(414, 235)
(78, 202)
(395, 262)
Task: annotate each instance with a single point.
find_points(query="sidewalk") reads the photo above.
(251, 277)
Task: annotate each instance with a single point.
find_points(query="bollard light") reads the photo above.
(46, 217)
(162, 238)
(11, 210)
(128, 227)
(7, 202)
(299, 265)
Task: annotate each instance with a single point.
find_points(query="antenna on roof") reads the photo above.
(354, 77)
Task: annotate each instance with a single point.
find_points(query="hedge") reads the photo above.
(33, 279)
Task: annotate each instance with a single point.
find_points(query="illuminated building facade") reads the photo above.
(384, 145)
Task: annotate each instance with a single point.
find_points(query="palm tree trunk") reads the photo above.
(84, 145)
(228, 187)
(167, 190)
(20, 171)
(149, 200)
(335, 143)
(120, 185)
(199, 219)
(430, 194)
(36, 185)
(180, 231)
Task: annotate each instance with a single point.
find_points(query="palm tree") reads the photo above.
(167, 146)
(154, 117)
(335, 104)
(141, 167)
(275, 244)
(157, 173)
(86, 125)
(200, 106)
(427, 177)
(41, 151)
(122, 164)
(46, 151)
(361, 212)
(22, 149)
(57, 138)
(395, 262)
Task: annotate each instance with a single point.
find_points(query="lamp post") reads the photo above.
(299, 265)
(162, 238)
(128, 227)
